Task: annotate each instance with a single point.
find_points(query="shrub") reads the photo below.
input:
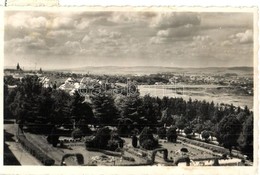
(205, 135)
(53, 137)
(172, 134)
(105, 139)
(188, 131)
(134, 141)
(112, 145)
(77, 133)
(146, 139)
(148, 144)
(161, 132)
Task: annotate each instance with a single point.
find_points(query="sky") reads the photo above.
(62, 39)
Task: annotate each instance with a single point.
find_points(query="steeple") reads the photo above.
(18, 67)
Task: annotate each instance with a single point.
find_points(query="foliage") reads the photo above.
(167, 118)
(228, 131)
(151, 110)
(187, 131)
(205, 135)
(172, 134)
(53, 137)
(134, 141)
(104, 108)
(77, 133)
(180, 122)
(148, 144)
(146, 139)
(161, 131)
(105, 139)
(41, 108)
(246, 138)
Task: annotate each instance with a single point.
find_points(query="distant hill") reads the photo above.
(142, 70)
(242, 68)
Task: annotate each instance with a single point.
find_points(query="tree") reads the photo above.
(205, 135)
(161, 131)
(188, 131)
(53, 137)
(228, 131)
(246, 139)
(77, 133)
(105, 139)
(131, 108)
(80, 111)
(191, 112)
(32, 105)
(104, 109)
(61, 114)
(151, 110)
(146, 139)
(172, 134)
(198, 128)
(134, 141)
(180, 123)
(167, 117)
(242, 116)
(101, 139)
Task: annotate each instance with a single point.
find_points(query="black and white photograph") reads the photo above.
(122, 86)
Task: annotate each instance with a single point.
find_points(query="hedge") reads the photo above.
(214, 148)
(35, 151)
(110, 153)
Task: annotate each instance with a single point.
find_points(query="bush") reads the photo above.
(53, 137)
(105, 139)
(112, 145)
(146, 139)
(172, 134)
(77, 133)
(188, 131)
(161, 132)
(205, 135)
(148, 144)
(134, 141)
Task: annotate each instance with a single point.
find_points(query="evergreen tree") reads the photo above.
(104, 109)
(172, 134)
(246, 139)
(228, 131)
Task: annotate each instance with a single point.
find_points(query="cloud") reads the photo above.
(59, 33)
(181, 31)
(246, 37)
(32, 42)
(226, 43)
(22, 20)
(239, 38)
(173, 34)
(175, 19)
(86, 39)
(105, 33)
(201, 38)
(61, 23)
(157, 40)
